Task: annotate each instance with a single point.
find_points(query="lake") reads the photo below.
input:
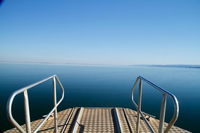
(100, 86)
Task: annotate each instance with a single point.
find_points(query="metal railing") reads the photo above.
(165, 94)
(26, 106)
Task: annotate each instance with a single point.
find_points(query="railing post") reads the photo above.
(27, 112)
(55, 104)
(139, 106)
(162, 113)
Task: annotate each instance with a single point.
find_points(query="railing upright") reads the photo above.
(140, 114)
(27, 111)
(162, 113)
(139, 106)
(55, 105)
(26, 106)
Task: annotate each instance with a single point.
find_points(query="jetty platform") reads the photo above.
(97, 120)
(93, 119)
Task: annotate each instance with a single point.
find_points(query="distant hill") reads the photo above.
(177, 66)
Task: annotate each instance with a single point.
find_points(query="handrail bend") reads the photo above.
(165, 94)
(26, 105)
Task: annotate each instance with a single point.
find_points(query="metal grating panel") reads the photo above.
(97, 120)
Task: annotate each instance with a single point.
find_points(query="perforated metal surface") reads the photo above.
(97, 120)
(64, 122)
(132, 118)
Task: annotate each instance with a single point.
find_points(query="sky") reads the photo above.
(113, 32)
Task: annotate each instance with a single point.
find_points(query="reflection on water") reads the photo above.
(100, 86)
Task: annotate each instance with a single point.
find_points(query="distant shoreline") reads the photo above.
(82, 64)
(174, 66)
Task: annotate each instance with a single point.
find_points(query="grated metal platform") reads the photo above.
(97, 120)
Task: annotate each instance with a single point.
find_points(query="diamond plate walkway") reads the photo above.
(97, 120)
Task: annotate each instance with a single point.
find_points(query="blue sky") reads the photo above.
(100, 31)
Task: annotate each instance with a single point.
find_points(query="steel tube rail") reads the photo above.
(27, 112)
(139, 107)
(141, 113)
(55, 102)
(165, 94)
(162, 113)
(41, 124)
(146, 121)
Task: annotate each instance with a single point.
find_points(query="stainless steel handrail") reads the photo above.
(26, 105)
(165, 94)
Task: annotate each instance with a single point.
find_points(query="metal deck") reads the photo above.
(97, 120)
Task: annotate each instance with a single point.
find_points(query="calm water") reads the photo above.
(100, 86)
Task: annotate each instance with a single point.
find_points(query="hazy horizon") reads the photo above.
(68, 63)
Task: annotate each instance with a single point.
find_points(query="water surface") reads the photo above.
(100, 86)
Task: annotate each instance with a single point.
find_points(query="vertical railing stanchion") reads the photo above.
(165, 95)
(27, 111)
(139, 107)
(55, 104)
(162, 113)
(24, 90)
